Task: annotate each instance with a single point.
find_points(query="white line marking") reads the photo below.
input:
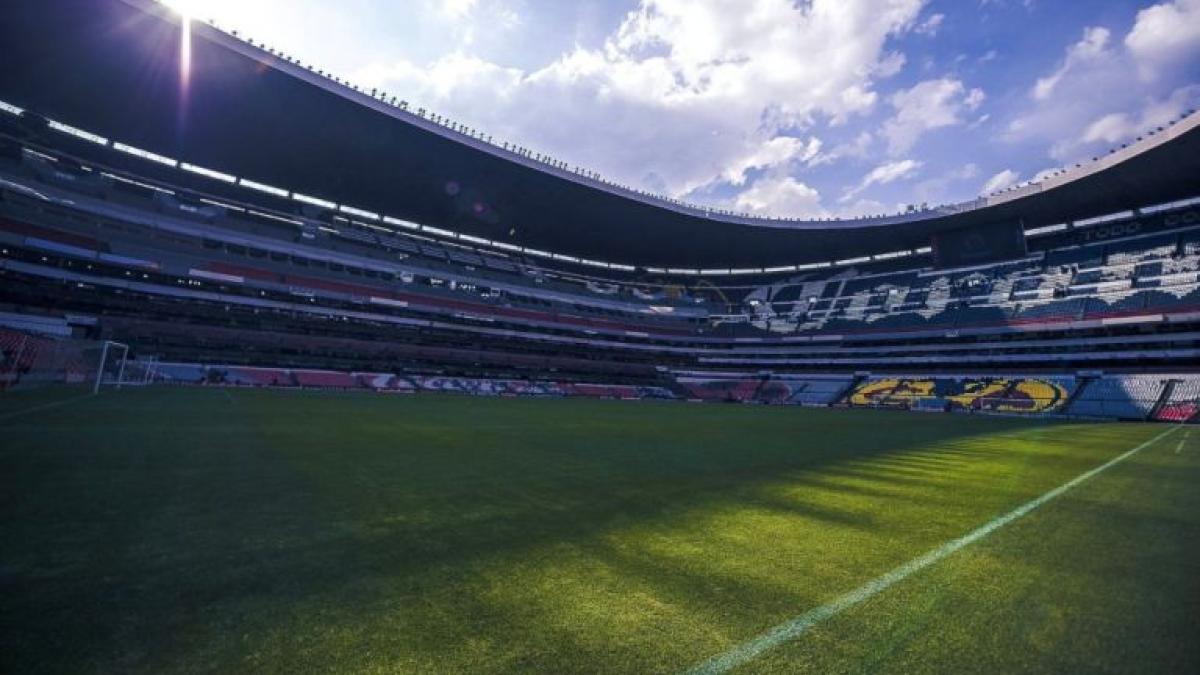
(44, 406)
(794, 628)
(1179, 445)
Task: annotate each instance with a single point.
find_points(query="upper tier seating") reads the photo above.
(1140, 275)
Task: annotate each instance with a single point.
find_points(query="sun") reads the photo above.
(186, 8)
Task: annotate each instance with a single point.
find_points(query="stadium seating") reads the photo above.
(323, 379)
(815, 391)
(1120, 396)
(384, 382)
(339, 304)
(1182, 404)
(256, 377)
(724, 390)
(18, 350)
(1091, 281)
(1025, 395)
(182, 373)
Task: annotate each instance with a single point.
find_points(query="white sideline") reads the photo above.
(794, 628)
(44, 406)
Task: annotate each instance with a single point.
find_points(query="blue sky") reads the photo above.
(803, 108)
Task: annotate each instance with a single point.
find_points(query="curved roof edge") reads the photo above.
(110, 67)
(210, 31)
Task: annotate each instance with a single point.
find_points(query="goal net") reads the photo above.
(29, 361)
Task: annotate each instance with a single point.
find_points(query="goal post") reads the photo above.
(29, 361)
(113, 359)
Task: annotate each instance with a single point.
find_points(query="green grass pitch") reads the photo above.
(208, 530)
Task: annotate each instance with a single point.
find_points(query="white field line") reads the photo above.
(794, 628)
(44, 406)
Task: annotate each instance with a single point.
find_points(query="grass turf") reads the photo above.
(204, 530)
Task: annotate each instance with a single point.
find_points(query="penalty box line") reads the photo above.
(44, 406)
(794, 628)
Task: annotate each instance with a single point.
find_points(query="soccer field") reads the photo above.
(213, 530)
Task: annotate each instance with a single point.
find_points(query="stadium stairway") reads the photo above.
(1081, 383)
(757, 395)
(672, 385)
(1163, 399)
(843, 397)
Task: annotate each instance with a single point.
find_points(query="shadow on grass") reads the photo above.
(131, 544)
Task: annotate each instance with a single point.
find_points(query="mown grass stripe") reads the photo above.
(794, 628)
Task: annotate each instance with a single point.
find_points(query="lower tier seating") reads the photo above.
(1029, 395)
(1123, 397)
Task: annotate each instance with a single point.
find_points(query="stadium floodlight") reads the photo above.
(77, 133)
(261, 187)
(361, 213)
(852, 261)
(1048, 229)
(315, 201)
(145, 154)
(440, 232)
(208, 173)
(399, 222)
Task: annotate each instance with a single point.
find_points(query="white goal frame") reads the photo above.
(109, 348)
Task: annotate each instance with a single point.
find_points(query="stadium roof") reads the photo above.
(112, 67)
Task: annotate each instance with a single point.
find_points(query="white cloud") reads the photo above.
(781, 196)
(863, 208)
(1107, 90)
(1116, 128)
(1165, 35)
(928, 105)
(939, 189)
(685, 93)
(1111, 128)
(777, 152)
(890, 65)
(458, 9)
(856, 148)
(1092, 47)
(966, 172)
(1005, 179)
(884, 174)
(931, 25)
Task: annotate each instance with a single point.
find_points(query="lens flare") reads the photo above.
(185, 52)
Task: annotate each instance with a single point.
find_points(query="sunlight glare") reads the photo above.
(188, 9)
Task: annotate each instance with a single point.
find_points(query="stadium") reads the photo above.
(297, 376)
